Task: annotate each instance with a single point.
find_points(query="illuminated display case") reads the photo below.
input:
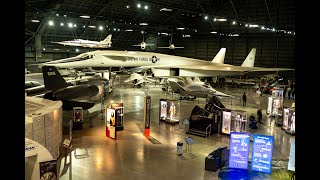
(275, 106)
(289, 120)
(238, 121)
(114, 119)
(169, 111)
(226, 121)
(77, 118)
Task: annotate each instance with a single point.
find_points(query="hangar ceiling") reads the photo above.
(187, 21)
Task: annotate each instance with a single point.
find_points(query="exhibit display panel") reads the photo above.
(292, 162)
(275, 105)
(226, 122)
(77, 118)
(239, 150)
(169, 110)
(114, 119)
(238, 121)
(288, 120)
(262, 148)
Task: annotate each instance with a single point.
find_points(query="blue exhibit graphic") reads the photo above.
(292, 164)
(239, 150)
(262, 148)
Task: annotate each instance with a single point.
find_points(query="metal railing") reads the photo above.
(209, 131)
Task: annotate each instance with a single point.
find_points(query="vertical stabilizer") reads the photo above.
(108, 38)
(219, 58)
(196, 79)
(249, 61)
(188, 81)
(53, 80)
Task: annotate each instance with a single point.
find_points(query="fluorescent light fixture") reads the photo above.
(253, 25)
(143, 24)
(127, 6)
(233, 22)
(164, 33)
(273, 29)
(44, 49)
(51, 23)
(70, 25)
(100, 28)
(180, 28)
(146, 7)
(222, 19)
(294, 33)
(263, 27)
(114, 29)
(247, 25)
(206, 17)
(139, 5)
(92, 26)
(84, 26)
(35, 20)
(56, 49)
(213, 32)
(64, 15)
(186, 35)
(118, 29)
(142, 32)
(57, 14)
(158, 33)
(77, 50)
(86, 17)
(235, 35)
(165, 9)
(215, 19)
(74, 25)
(128, 30)
(61, 24)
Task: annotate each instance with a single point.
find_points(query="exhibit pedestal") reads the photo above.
(77, 125)
(212, 163)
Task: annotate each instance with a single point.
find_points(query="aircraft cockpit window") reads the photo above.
(86, 56)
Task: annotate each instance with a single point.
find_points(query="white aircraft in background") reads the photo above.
(162, 64)
(139, 79)
(106, 43)
(171, 45)
(143, 45)
(196, 90)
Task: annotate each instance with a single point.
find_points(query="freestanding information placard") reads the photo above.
(292, 162)
(147, 109)
(239, 150)
(262, 148)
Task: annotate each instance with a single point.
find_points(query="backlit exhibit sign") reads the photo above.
(226, 122)
(292, 162)
(262, 148)
(239, 150)
(269, 105)
(163, 110)
(147, 109)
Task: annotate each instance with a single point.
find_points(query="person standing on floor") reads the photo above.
(244, 99)
(259, 113)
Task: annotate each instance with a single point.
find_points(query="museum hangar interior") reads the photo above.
(136, 123)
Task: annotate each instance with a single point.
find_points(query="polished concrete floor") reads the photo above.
(132, 156)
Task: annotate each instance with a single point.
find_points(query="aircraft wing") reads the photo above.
(140, 82)
(136, 45)
(271, 69)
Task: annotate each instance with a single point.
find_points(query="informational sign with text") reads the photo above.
(239, 150)
(262, 148)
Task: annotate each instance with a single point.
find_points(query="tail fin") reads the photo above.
(107, 39)
(219, 58)
(249, 61)
(189, 80)
(177, 88)
(196, 79)
(53, 80)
